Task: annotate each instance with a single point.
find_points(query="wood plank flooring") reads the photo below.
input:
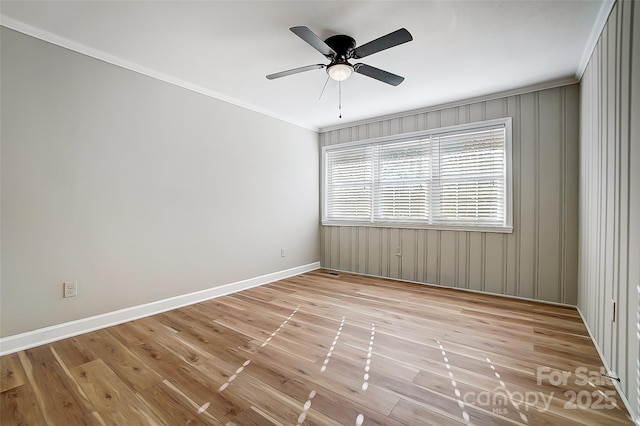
(322, 349)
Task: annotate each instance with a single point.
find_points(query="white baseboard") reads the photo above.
(609, 371)
(30, 339)
(468, 290)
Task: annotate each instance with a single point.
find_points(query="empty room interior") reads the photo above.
(320, 212)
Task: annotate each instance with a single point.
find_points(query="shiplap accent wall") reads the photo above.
(538, 260)
(609, 233)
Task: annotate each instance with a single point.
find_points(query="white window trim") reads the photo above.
(480, 125)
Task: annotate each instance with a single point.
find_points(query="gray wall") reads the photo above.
(609, 258)
(138, 189)
(538, 260)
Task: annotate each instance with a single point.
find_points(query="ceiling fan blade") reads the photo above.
(309, 36)
(295, 71)
(385, 42)
(378, 74)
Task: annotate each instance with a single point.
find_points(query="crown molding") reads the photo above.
(596, 30)
(41, 34)
(483, 98)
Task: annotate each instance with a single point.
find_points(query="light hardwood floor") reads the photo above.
(322, 349)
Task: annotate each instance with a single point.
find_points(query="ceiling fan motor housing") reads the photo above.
(343, 45)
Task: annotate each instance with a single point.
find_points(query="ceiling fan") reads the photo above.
(339, 49)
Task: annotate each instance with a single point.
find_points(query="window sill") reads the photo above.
(440, 227)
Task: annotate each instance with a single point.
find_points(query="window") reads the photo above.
(451, 178)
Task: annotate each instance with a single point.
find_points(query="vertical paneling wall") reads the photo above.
(538, 260)
(609, 232)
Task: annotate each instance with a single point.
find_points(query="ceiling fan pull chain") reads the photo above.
(340, 99)
(324, 87)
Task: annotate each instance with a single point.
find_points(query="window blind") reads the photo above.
(471, 185)
(350, 184)
(457, 178)
(402, 190)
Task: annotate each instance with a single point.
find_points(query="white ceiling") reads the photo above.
(461, 49)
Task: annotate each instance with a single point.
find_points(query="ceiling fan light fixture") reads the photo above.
(340, 72)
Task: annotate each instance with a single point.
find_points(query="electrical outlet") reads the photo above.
(283, 252)
(70, 289)
(398, 251)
